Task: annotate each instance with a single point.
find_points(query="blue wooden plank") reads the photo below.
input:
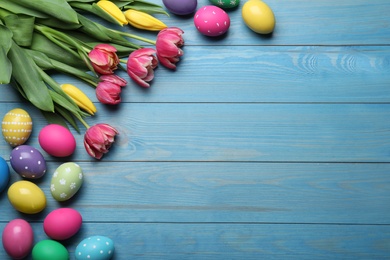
(302, 22)
(234, 241)
(224, 192)
(239, 132)
(262, 74)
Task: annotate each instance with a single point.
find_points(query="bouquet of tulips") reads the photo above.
(36, 38)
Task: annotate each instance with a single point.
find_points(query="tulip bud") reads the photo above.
(81, 100)
(113, 10)
(144, 21)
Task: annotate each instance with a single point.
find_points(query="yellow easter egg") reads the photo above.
(16, 127)
(258, 16)
(26, 197)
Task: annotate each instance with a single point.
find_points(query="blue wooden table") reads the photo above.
(256, 147)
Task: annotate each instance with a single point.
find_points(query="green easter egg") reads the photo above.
(66, 181)
(225, 4)
(49, 250)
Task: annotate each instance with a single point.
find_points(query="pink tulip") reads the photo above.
(104, 59)
(108, 91)
(168, 45)
(98, 139)
(141, 65)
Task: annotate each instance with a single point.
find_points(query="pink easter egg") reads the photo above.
(18, 238)
(62, 223)
(211, 20)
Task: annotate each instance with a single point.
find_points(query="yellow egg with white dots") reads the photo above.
(16, 127)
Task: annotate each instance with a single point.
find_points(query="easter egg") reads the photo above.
(26, 197)
(66, 181)
(57, 140)
(16, 126)
(96, 248)
(49, 250)
(258, 16)
(18, 238)
(4, 174)
(211, 20)
(62, 223)
(28, 162)
(181, 7)
(225, 4)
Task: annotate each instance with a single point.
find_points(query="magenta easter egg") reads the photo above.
(181, 7)
(211, 20)
(18, 238)
(57, 140)
(62, 223)
(28, 162)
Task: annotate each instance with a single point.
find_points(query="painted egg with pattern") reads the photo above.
(211, 20)
(26, 197)
(62, 223)
(66, 181)
(28, 162)
(4, 174)
(95, 248)
(16, 126)
(18, 238)
(225, 4)
(49, 250)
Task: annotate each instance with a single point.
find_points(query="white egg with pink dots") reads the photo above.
(211, 20)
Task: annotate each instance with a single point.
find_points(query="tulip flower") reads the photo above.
(143, 21)
(109, 89)
(81, 100)
(112, 10)
(140, 66)
(104, 59)
(98, 139)
(168, 45)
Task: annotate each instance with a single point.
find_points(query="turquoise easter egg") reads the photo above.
(95, 248)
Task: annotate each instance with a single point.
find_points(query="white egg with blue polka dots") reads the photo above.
(95, 248)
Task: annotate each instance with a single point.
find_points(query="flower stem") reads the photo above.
(133, 36)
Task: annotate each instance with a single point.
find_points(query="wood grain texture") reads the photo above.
(242, 132)
(256, 147)
(264, 74)
(225, 192)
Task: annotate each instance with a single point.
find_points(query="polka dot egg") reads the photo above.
(28, 162)
(16, 127)
(66, 181)
(95, 248)
(211, 20)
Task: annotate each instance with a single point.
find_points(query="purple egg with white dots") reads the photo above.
(28, 162)
(211, 20)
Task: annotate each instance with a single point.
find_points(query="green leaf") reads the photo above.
(54, 118)
(15, 8)
(5, 64)
(56, 8)
(42, 44)
(22, 27)
(143, 6)
(40, 59)
(56, 23)
(24, 70)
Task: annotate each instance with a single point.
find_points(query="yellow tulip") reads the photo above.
(144, 21)
(113, 10)
(81, 100)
